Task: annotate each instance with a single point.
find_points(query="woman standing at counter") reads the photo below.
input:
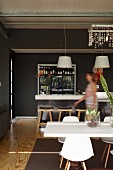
(90, 96)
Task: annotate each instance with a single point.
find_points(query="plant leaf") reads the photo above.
(105, 87)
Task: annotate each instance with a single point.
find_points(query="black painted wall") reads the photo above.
(26, 83)
(34, 39)
(4, 72)
(41, 39)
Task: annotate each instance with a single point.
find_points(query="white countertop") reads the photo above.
(63, 129)
(57, 97)
(102, 97)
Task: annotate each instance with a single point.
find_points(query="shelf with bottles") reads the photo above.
(54, 70)
(53, 80)
(61, 90)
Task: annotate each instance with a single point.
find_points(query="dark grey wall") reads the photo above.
(26, 83)
(36, 39)
(39, 39)
(48, 39)
(4, 72)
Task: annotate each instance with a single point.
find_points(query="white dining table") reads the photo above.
(63, 129)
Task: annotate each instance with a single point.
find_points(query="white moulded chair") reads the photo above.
(77, 148)
(67, 119)
(107, 119)
(109, 142)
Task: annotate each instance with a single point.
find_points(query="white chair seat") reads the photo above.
(107, 139)
(111, 152)
(61, 139)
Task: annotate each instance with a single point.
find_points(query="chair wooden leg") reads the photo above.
(39, 118)
(84, 165)
(61, 160)
(50, 115)
(59, 117)
(66, 165)
(70, 113)
(78, 115)
(104, 152)
(107, 156)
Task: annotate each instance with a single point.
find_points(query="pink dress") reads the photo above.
(91, 102)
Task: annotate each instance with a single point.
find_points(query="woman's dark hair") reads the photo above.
(93, 75)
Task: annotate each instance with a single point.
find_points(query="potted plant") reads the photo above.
(92, 117)
(110, 97)
(90, 114)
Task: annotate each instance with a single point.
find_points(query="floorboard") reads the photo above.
(14, 145)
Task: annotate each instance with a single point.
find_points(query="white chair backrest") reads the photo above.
(70, 119)
(77, 148)
(107, 139)
(107, 118)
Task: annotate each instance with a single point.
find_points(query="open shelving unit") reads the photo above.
(54, 80)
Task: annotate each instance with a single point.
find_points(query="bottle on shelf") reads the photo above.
(46, 70)
(61, 80)
(40, 71)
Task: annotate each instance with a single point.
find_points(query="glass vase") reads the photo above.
(111, 117)
(93, 120)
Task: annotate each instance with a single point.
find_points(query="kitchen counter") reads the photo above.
(57, 97)
(102, 97)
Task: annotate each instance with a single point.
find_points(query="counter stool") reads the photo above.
(42, 109)
(79, 112)
(64, 109)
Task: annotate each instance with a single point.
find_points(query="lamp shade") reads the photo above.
(102, 62)
(64, 62)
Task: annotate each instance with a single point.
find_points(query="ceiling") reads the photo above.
(45, 14)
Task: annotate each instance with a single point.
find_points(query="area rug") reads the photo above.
(45, 156)
(47, 145)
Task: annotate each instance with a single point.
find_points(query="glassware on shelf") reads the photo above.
(54, 80)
